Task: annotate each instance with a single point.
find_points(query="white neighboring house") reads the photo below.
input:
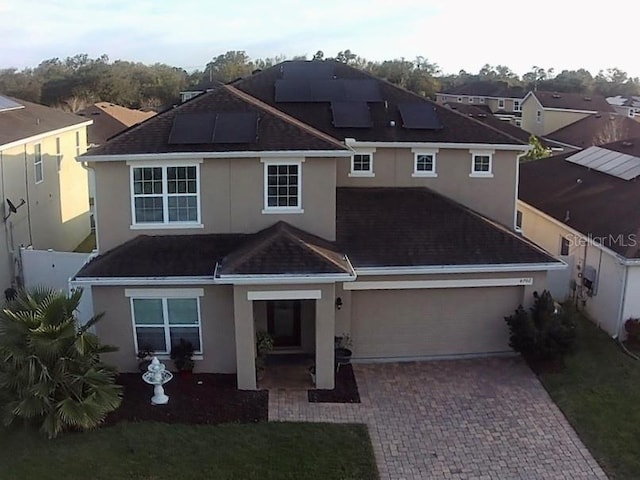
(583, 208)
(629, 106)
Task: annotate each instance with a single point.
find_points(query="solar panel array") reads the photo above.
(8, 104)
(351, 114)
(214, 127)
(621, 165)
(312, 90)
(307, 70)
(419, 116)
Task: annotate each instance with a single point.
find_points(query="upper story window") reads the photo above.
(424, 163)
(501, 103)
(632, 112)
(564, 246)
(517, 105)
(78, 152)
(37, 163)
(538, 116)
(362, 164)
(58, 152)
(481, 163)
(282, 186)
(165, 195)
(161, 318)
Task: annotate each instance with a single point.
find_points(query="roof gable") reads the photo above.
(597, 129)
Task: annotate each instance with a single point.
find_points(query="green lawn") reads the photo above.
(599, 392)
(155, 451)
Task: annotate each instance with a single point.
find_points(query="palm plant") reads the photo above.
(50, 368)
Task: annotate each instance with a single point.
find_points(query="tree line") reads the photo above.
(75, 82)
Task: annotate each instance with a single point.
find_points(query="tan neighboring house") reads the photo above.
(309, 200)
(110, 119)
(503, 100)
(582, 207)
(546, 112)
(44, 191)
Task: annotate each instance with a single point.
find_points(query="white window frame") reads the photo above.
(517, 105)
(275, 209)
(38, 165)
(538, 116)
(59, 152)
(631, 112)
(164, 295)
(501, 103)
(165, 224)
(363, 173)
(518, 122)
(77, 143)
(433, 173)
(481, 153)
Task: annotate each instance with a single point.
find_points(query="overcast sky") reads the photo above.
(463, 34)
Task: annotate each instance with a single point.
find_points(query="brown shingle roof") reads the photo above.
(415, 226)
(487, 88)
(573, 101)
(33, 120)
(376, 227)
(110, 119)
(596, 129)
(274, 132)
(456, 128)
(282, 249)
(591, 202)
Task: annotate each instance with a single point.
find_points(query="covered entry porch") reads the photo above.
(301, 319)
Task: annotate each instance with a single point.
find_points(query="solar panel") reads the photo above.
(362, 90)
(235, 127)
(192, 128)
(8, 104)
(621, 165)
(326, 90)
(313, 69)
(351, 114)
(419, 116)
(295, 90)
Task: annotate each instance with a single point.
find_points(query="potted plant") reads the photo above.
(145, 354)
(264, 344)
(182, 356)
(342, 350)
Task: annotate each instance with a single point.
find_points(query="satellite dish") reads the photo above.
(12, 207)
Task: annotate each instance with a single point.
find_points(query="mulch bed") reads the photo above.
(346, 390)
(197, 399)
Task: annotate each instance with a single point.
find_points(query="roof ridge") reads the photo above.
(315, 249)
(274, 111)
(267, 238)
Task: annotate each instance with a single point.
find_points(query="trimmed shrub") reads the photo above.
(546, 332)
(632, 327)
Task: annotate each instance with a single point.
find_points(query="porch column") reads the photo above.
(245, 339)
(325, 333)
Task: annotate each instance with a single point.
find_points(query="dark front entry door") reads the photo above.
(283, 322)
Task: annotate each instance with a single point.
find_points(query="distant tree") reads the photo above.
(319, 55)
(534, 78)
(229, 66)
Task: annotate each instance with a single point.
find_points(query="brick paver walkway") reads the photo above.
(467, 419)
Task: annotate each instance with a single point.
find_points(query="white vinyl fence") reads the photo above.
(54, 270)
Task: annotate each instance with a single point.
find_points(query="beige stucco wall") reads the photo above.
(216, 309)
(56, 213)
(551, 120)
(493, 197)
(231, 195)
(604, 305)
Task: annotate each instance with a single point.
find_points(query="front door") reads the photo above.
(283, 322)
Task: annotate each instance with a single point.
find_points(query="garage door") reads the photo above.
(425, 322)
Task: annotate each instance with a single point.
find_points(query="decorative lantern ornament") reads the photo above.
(157, 376)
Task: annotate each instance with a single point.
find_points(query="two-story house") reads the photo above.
(503, 100)
(627, 106)
(44, 191)
(309, 200)
(546, 112)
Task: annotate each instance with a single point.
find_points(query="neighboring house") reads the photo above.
(110, 119)
(546, 112)
(309, 200)
(44, 191)
(627, 106)
(596, 129)
(583, 208)
(196, 90)
(503, 100)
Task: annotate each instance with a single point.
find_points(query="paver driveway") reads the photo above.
(463, 419)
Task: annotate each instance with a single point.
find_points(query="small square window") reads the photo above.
(564, 246)
(362, 165)
(424, 164)
(482, 164)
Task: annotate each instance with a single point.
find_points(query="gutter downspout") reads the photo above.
(93, 207)
(623, 298)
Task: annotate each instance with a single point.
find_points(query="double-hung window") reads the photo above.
(481, 163)
(501, 103)
(282, 186)
(424, 163)
(517, 107)
(161, 318)
(166, 195)
(37, 163)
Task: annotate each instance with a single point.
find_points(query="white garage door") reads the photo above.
(411, 323)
